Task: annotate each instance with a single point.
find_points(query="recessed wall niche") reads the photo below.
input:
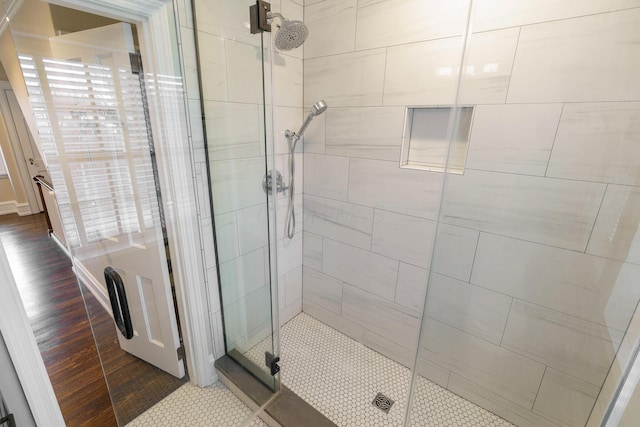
(425, 139)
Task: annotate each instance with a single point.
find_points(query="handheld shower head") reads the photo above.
(318, 108)
(291, 34)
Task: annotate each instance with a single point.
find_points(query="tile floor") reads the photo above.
(335, 374)
(340, 377)
(193, 406)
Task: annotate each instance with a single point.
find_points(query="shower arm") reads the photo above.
(271, 15)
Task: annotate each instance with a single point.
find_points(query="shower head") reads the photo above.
(317, 109)
(291, 34)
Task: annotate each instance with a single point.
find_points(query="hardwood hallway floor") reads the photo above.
(55, 307)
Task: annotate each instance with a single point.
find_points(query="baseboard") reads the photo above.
(13, 207)
(93, 285)
(23, 209)
(60, 243)
(7, 208)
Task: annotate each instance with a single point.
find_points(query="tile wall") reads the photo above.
(534, 274)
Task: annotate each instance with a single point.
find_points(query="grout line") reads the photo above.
(506, 321)
(539, 387)
(553, 144)
(475, 253)
(595, 220)
(513, 64)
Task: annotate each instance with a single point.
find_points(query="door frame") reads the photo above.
(156, 22)
(23, 350)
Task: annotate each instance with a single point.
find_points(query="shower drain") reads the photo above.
(382, 402)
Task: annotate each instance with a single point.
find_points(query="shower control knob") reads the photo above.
(268, 180)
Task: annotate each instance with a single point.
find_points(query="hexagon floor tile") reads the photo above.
(335, 374)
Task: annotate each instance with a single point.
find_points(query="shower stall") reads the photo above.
(397, 212)
(465, 209)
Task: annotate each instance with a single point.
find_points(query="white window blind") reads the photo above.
(94, 126)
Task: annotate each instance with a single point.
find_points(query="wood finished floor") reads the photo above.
(55, 307)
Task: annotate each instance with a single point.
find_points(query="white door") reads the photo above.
(95, 107)
(30, 154)
(28, 158)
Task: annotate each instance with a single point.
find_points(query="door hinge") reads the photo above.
(181, 352)
(258, 17)
(272, 362)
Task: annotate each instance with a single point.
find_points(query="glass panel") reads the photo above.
(238, 156)
(533, 282)
(91, 104)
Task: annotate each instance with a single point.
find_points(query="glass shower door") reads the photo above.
(239, 157)
(532, 294)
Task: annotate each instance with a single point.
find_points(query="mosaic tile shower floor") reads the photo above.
(340, 377)
(335, 374)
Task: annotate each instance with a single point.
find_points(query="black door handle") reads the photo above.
(119, 305)
(8, 420)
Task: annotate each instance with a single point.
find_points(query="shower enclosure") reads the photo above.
(467, 203)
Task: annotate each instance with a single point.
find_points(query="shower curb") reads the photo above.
(284, 409)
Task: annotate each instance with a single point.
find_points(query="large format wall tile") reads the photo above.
(402, 237)
(568, 344)
(293, 286)
(475, 310)
(454, 251)
(393, 22)
(487, 67)
(332, 27)
(319, 182)
(386, 318)
(616, 233)
(555, 60)
(508, 374)
(322, 290)
(349, 79)
(227, 236)
(252, 228)
(287, 81)
(247, 273)
(588, 287)
(289, 253)
(371, 272)
(427, 73)
(286, 118)
(233, 130)
(314, 136)
(244, 72)
(237, 184)
(412, 286)
(495, 403)
(551, 211)
(520, 144)
(245, 317)
(598, 142)
(367, 132)
(386, 186)
(493, 14)
(565, 399)
(312, 251)
(422, 73)
(226, 19)
(341, 221)
(213, 68)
